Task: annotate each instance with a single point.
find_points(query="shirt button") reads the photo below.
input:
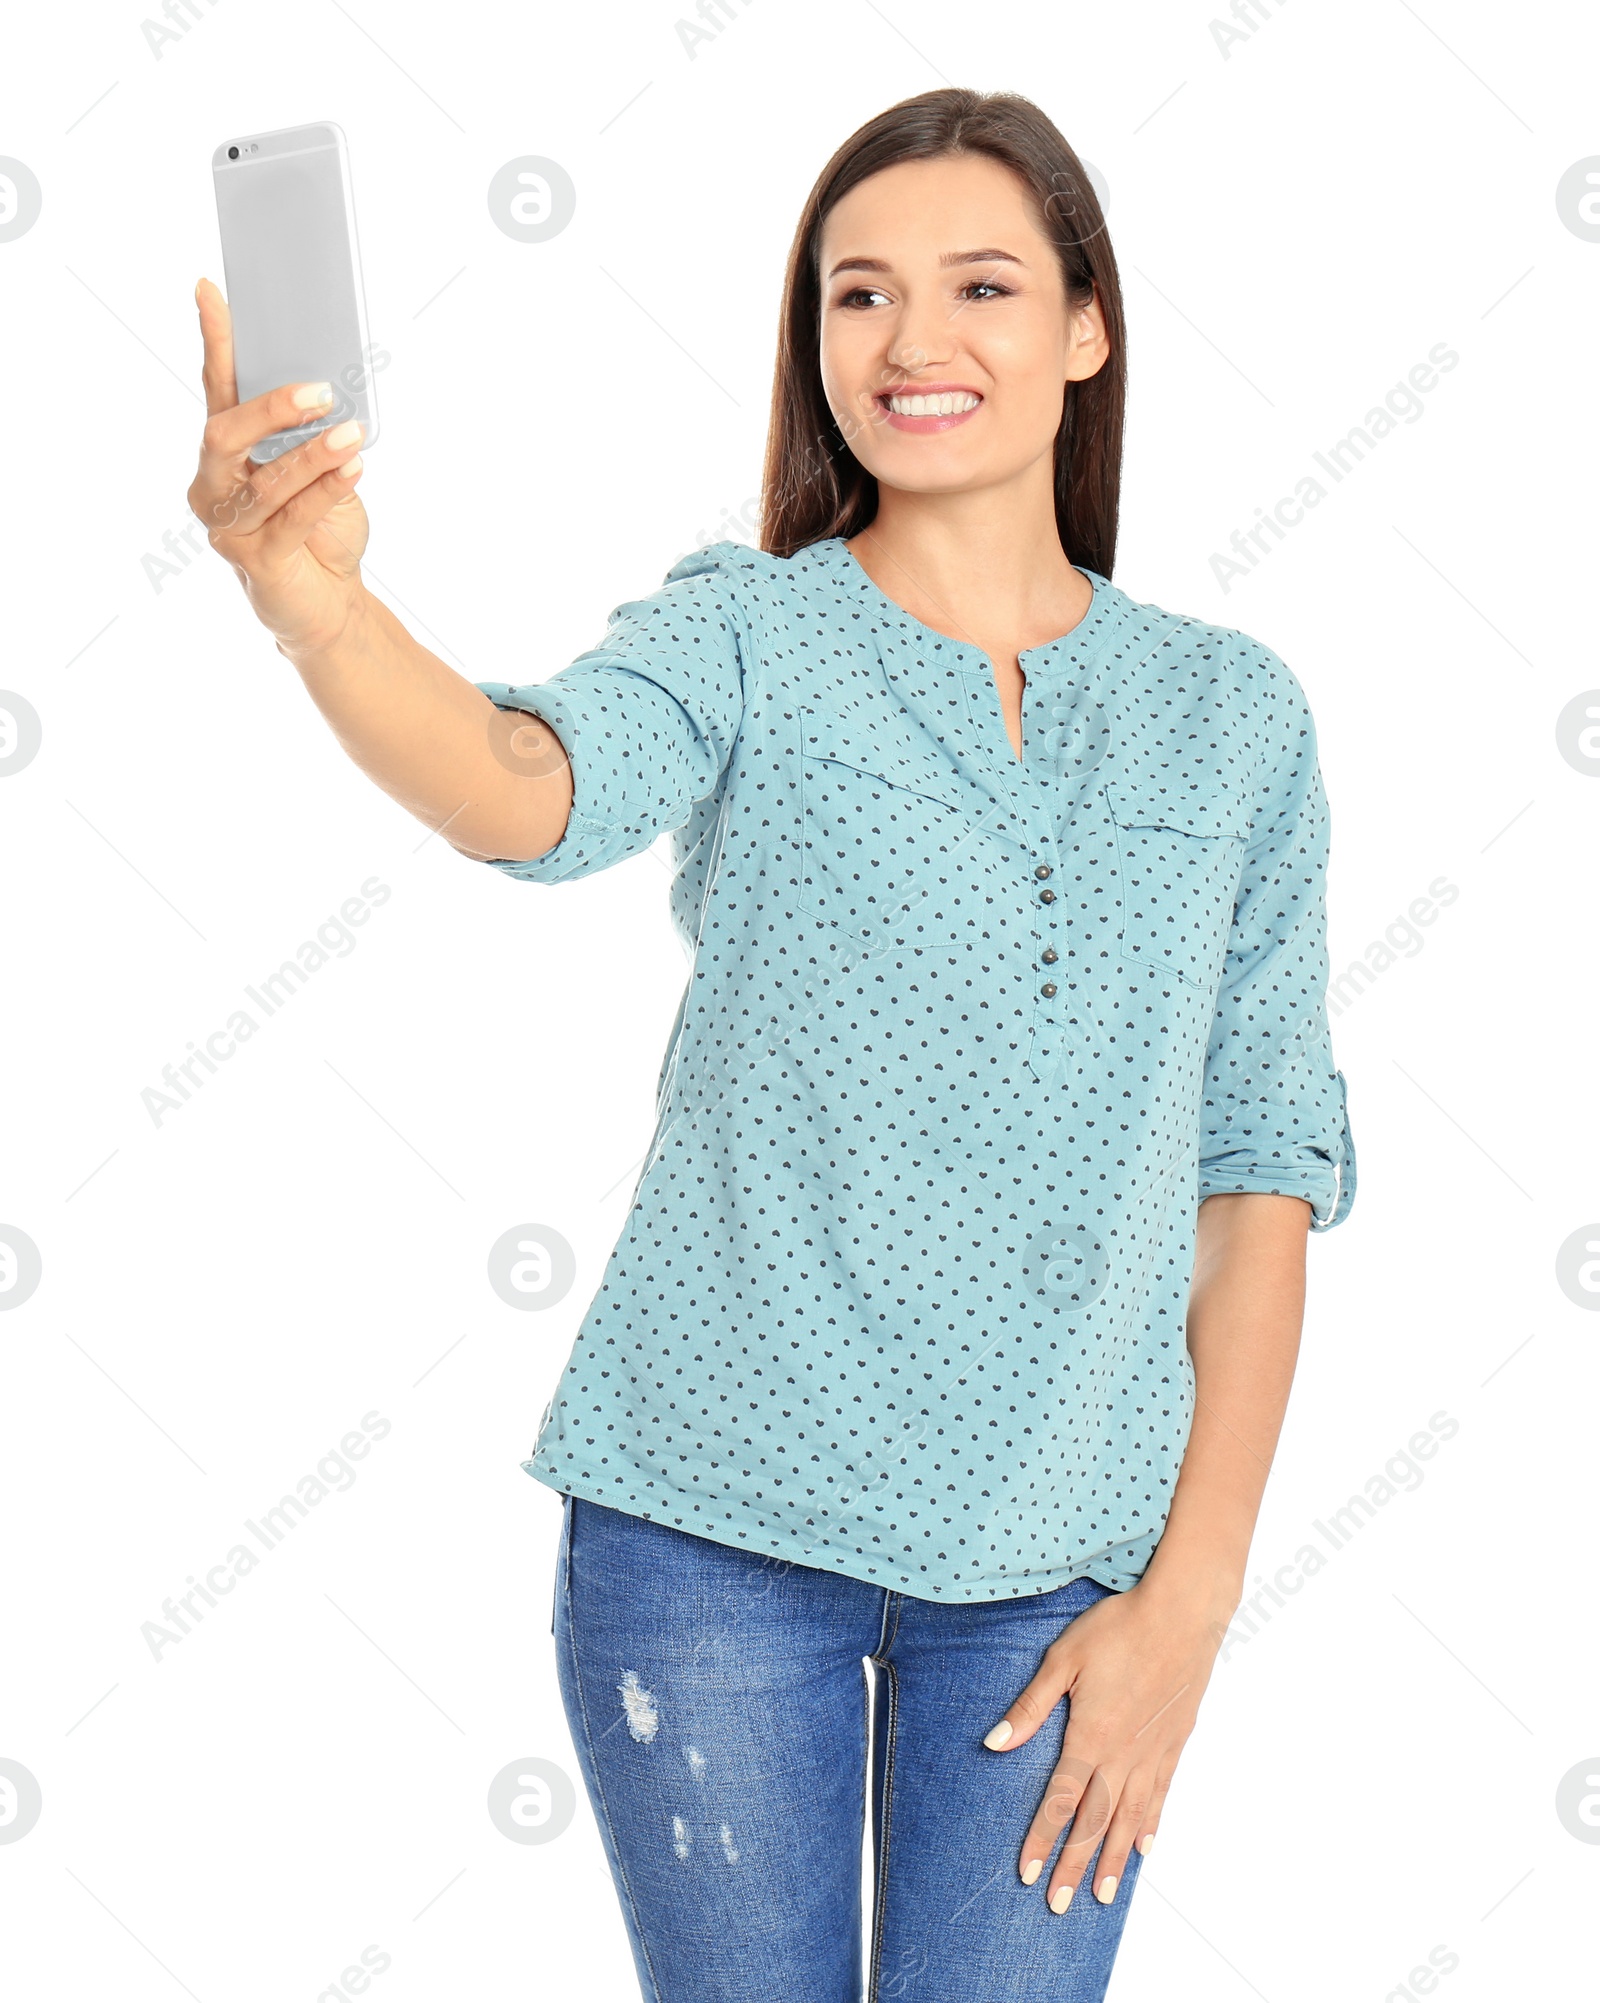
(1049, 956)
(1047, 897)
(1049, 988)
(1042, 870)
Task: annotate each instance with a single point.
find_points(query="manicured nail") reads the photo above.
(309, 395)
(1107, 1891)
(1143, 1845)
(999, 1735)
(1031, 1870)
(1061, 1898)
(350, 468)
(343, 436)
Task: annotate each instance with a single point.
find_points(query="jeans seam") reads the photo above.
(599, 1787)
(881, 1885)
(563, 1566)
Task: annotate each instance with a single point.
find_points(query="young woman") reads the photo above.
(953, 1323)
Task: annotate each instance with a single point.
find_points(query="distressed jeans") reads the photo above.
(718, 1703)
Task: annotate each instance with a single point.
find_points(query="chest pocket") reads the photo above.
(1179, 858)
(891, 837)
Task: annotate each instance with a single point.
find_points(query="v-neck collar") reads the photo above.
(1069, 653)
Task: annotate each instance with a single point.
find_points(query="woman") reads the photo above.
(952, 1325)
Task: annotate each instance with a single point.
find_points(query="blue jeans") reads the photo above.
(718, 1703)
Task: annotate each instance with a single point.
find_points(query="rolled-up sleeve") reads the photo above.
(647, 717)
(1273, 1115)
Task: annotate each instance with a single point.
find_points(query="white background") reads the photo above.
(1297, 223)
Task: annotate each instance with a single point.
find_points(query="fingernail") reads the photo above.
(350, 468)
(309, 395)
(1107, 1891)
(1031, 1870)
(1143, 1845)
(343, 436)
(1061, 1898)
(999, 1735)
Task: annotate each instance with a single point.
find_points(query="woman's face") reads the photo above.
(936, 279)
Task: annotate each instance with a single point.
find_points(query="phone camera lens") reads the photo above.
(233, 152)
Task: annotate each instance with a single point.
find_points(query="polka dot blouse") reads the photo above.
(966, 1040)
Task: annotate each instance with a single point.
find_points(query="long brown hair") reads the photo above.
(812, 483)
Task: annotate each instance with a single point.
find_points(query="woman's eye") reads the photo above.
(865, 294)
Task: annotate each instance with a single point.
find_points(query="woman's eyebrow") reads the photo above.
(948, 258)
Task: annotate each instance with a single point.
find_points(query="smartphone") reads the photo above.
(292, 273)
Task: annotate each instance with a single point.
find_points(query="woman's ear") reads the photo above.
(1090, 344)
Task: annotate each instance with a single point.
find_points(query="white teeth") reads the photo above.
(934, 406)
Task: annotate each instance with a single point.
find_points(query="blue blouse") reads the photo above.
(965, 1042)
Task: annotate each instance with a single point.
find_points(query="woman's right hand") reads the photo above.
(293, 529)
(294, 532)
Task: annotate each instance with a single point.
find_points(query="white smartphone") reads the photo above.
(293, 274)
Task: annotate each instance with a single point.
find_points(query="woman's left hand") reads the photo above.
(1134, 1667)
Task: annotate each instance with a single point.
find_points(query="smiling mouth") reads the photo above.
(928, 409)
(928, 403)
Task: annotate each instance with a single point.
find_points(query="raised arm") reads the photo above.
(495, 783)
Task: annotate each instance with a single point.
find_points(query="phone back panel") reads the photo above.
(293, 274)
